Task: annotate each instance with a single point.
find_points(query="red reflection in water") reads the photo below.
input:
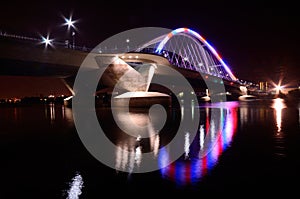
(207, 120)
(204, 166)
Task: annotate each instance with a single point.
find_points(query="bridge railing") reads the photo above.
(16, 37)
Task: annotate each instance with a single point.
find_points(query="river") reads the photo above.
(254, 147)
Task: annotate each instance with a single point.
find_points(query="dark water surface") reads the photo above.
(256, 149)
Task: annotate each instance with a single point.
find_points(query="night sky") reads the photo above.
(258, 40)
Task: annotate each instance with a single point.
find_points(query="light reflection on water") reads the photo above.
(273, 125)
(278, 105)
(191, 171)
(279, 137)
(54, 112)
(187, 145)
(127, 157)
(130, 147)
(75, 187)
(193, 165)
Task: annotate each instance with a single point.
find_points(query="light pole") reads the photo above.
(70, 23)
(47, 41)
(73, 37)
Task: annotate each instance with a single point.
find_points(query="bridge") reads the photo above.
(182, 49)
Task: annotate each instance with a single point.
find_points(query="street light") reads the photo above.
(70, 23)
(46, 41)
(278, 88)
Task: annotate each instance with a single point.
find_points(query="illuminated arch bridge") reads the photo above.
(183, 49)
(187, 49)
(137, 71)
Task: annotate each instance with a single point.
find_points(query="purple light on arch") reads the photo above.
(199, 37)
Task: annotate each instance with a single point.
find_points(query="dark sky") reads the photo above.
(24, 86)
(258, 40)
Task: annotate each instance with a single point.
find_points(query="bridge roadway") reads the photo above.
(19, 57)
(25, 58)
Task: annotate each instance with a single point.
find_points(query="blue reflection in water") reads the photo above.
(188, 171)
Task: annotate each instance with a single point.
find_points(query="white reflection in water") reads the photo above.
(193, 109)
(128, 153)
(243, 116)
(127, 157)
(75, 187)
(118, 158)
(131, 158)
(124, 157)
(187, 144)
(138, 155)
(154, 142)
(279, 137)
(52, 111)
(212, 129)
(202, 136)
(278, 105)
